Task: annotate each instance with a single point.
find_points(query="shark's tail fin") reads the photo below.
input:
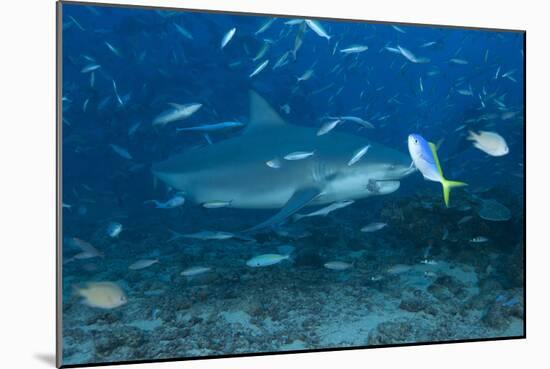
(447, 186)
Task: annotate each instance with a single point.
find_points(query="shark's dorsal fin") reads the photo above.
(261, 113)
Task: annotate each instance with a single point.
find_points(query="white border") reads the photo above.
(27, 152)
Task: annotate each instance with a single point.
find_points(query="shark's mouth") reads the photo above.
(382, 187)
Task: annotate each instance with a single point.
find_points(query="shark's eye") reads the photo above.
(415, 141)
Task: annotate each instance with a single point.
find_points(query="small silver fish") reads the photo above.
(428, 262)
(353, 119)
(354, 49)
(265, 26)
(194, 271)
(216, 204)
(116, 93)
(185, 33)
(178, 112)
(87, 250)
(209, 235)
(411, 57)
(398, 269)
(373, 227)
(176, 201)
(307, 75)
(113, 49)
(337, 265)
(90, 68)
(259, 69)
(262, 52)
(266, 260)
(398, 29)
(227, 37)
(294, 22)
(142, 264)
(133, 128)
(327, 127)
(76, 23)
(458, 61)
(497, 73)
(283, 60)
(286, 108)
(358, 155)
(121, 151)
(316, 27)
(299, 155)
(479, 239)
(298, 40)
(428, 44)
(212, 127)
(325, 210)
(114, 229)
(274, 163)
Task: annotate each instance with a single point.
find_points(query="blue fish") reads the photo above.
(212, 127)
(513, 301)
(425, 159)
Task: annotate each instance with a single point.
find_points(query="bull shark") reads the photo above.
(235, 170)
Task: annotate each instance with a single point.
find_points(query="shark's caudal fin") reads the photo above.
(446, 184)
(300, 199)
(262, 114)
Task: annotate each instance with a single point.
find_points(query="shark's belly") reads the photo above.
(241, 198)
(242, 189)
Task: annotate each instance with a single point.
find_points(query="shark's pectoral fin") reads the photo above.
(300, 199)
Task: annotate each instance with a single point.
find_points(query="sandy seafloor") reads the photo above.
(473, 291)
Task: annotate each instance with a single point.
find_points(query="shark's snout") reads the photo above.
(397, 169)
(401, 171)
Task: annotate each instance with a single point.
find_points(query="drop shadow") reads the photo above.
(46, 358)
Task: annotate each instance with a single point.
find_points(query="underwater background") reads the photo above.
(142, 278)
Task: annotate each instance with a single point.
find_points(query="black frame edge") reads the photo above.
(58, 187)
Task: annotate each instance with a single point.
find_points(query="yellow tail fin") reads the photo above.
(447, 186)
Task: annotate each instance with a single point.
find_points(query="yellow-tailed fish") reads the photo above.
(425, 159)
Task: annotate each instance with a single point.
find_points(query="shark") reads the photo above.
(235, 170)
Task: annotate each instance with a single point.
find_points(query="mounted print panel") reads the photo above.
(240, 184)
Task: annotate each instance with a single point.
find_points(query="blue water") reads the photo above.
(418, 279)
